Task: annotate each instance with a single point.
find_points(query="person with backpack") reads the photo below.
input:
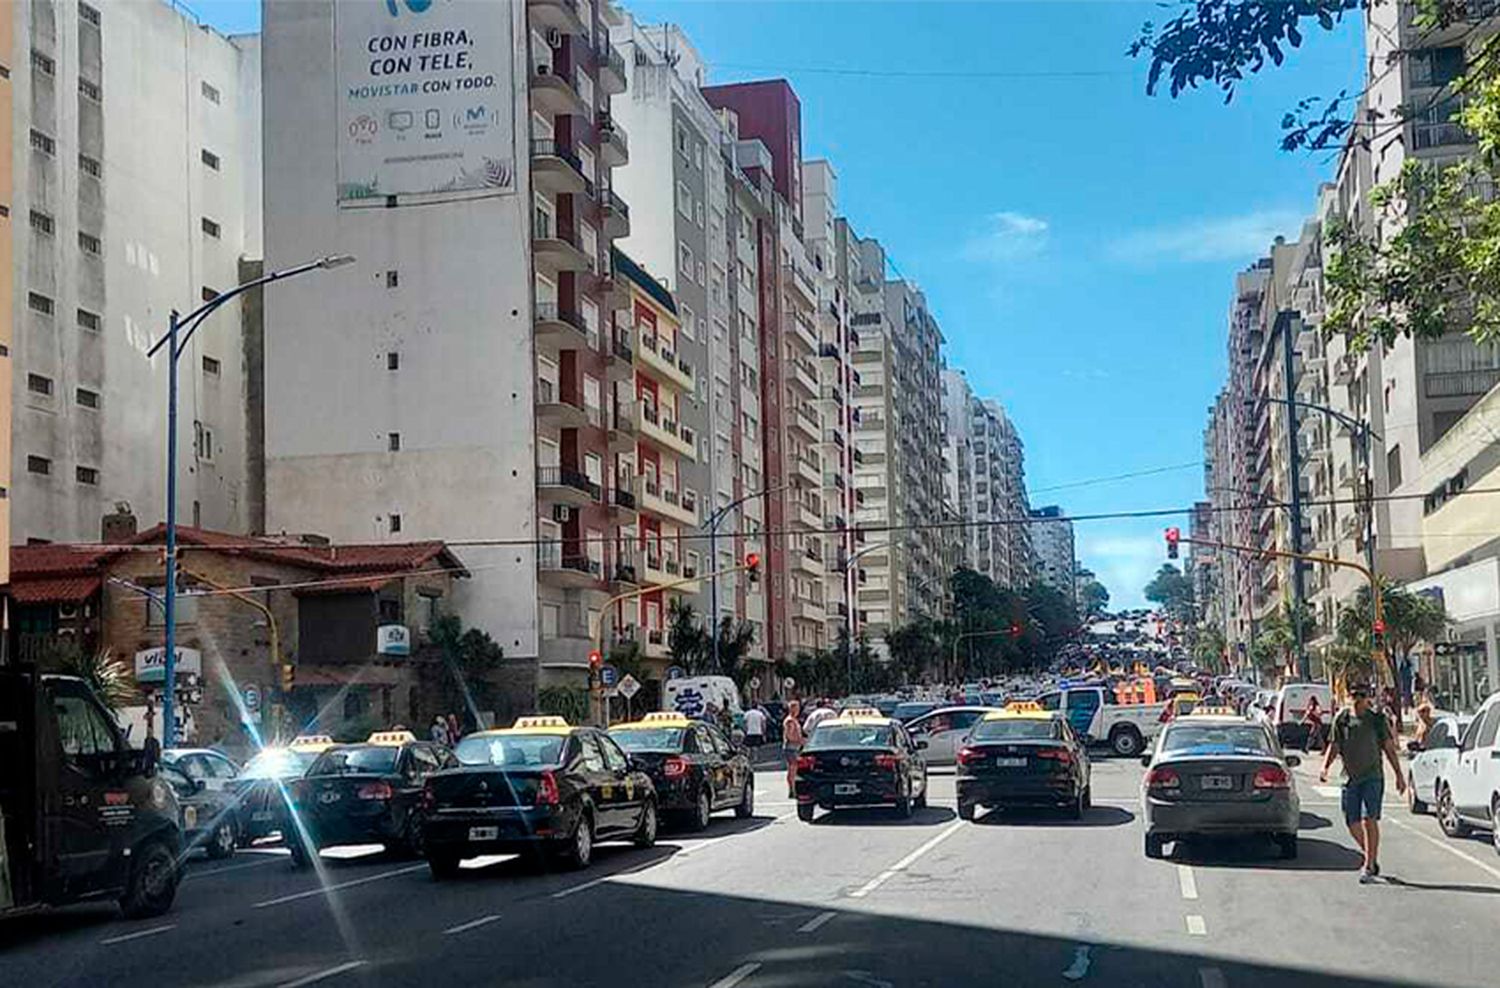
(1360, 735)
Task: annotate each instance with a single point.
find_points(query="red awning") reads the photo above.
(59, 590)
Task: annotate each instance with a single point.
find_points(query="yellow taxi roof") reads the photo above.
(1020, 710)
(311, 742)
(655, 721)
(537, 725)
(394, 738)
(1218, 711)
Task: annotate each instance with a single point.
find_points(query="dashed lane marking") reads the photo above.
(326, 889)
(1211, 977)
(1488, 869)
(736, 976)
(905, 862)
(138, 934)
(1331, 792)
(471, 924)
(1187, 882)
(317, 976)
(1196, 926)
(813, 924)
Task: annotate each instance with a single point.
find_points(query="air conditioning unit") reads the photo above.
(554, 38)
(67, 611)
(562, 513)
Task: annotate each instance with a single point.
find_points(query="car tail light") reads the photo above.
(1060, 755)
(1163, 778)
(806, 763)
(675, 767)
(885, 761)
(968, 756)
(374, 790)
(546, 790)
(1272, 777)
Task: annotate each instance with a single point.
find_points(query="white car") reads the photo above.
(1471, 798)
(1433, 761)
(943, 729)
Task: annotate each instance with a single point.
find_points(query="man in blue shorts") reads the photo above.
(1360, 735)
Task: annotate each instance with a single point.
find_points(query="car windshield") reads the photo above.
(649, 739)
(277, 763)
(375, 759)
(1191, 739)
(1019, 729)
(511, 750)
(851, 736)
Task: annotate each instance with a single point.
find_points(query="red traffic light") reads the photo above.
(1015, 630)
(595, 659)
(752, 560)
(1379, 627)
(1174, 535)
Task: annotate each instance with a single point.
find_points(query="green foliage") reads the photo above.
(687, 640)
(469, 655)
(735, 639)
(112, 681)
(1409, 618)
(1279, 632)
(571, 702)
(1209, 649)
(1173, 591)
(1093, 598)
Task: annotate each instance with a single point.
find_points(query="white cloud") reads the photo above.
(1124, 564)
(1006, 237)
(1224, 238)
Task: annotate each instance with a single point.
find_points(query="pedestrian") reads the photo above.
(1312, 716)
(1360, 735)
(453, 731)
(791, 744)
(823, 711)
(1424, 722)
(755, 726)
(439, 730)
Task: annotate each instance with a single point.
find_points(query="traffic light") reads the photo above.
(596, 659)
(1015, 630)
(752, 567)
(1379, 626)
(1174, 535)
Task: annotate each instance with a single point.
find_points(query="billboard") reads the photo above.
(426, 98)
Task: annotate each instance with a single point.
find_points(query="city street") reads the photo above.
(858, 898)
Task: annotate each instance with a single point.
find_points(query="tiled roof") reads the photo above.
(52, 558)
(56, 590)
(352, 584)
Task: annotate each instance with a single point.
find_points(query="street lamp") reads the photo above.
(713, 554)
(184, 327)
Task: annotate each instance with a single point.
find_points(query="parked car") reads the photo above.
(1433, 760)
(695, 768)
(944, 730)
(1093, 713)
(206, 816)
(909, 710)
(1471, 799)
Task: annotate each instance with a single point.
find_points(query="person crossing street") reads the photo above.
(1360, 735)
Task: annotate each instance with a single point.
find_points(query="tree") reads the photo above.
(917, 651)
(110, 678)
(735, 639)
(1279, 631)
(687, 640)
(1409, 617)
(1173, 591)
(468, 655)
(1209, 647)
(1093, 598)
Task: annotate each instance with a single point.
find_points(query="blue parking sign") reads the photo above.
(609, 675)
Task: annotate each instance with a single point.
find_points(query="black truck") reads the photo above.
(83, 817)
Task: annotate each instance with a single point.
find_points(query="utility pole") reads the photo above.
(1294, 460)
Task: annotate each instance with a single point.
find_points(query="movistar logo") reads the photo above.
(415, 6)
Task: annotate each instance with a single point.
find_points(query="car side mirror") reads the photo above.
(1292, 761)
(1451, 743)
(921, 745)
(199, 785)
(1146, 761)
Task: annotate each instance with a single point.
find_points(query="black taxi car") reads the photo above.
(540, 786)
(696, 770)
(860, 758)
(1023, 755)
(368, 793)
(260, 790)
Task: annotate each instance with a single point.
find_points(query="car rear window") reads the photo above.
(649, 739)
(1020, 729)
(852, 736)
(277, 763)
(511, 750)
(377, 759)
(906, 711)
(1248, 739)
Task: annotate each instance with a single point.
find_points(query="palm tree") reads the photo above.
(735, 639)
(1409, 618)
(687, 641)
(109, 678)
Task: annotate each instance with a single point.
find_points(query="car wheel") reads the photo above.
(965, 810)
(580, 847)
(921, 801)
(443, 866)
(903, 807)
(1448, 818)
(645, 832)
(301, 853)
(1155, 846)
(1495, 823)
(1126, 741)
(1288, 845)
(153, 881)
(702, 810)
(746, 809)
(1088, 797)
(1413, 804)
(222, 843)
(1075, 808)
(805, 812)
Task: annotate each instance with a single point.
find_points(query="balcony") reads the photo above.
(834, 436)
(557, 94)
(681, 508)
(803, 375)
(623, 504)
(619, 358)
(613, 290)
(614, 215)
(624, 426)
(662, 431)
(800, 283)
(661, 570)
(808, 470)
(563, 485)
(833, 393)
(560, 565)
(624, 574)
(663, 362)
(611, 67)
(802, 331)
(805, 420)
(554, 250)
(655, 645)
(808, 515)
(562, 411)
(561, 14)
(556, 170)
(808, 561)
(558, 330)
(808, 610)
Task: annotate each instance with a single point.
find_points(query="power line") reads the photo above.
(1119, 476)
(929, 73)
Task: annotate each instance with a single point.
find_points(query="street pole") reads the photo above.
(713, 548)
(1294, 460)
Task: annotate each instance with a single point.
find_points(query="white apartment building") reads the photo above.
(986, 484)
(136, 191)
(1052, 541)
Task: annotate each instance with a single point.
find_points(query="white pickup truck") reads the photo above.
(1093, 713)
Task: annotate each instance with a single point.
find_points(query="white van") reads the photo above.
(1291, 704)
(690, 696)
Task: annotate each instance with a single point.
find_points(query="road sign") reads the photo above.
(628, 687)
(755, 682)
(252, 698)
(676, 672)
(789, 682)
(609, 675)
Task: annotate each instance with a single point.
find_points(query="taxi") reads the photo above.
(696, 770)
(540, 787)
(860, 758)
(260, 788)
(368, 793)
(1023, 755)
(1180, 705)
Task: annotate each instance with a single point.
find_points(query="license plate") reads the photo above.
(1010, 762)
(484, 833)
(845, 789)
(1216, 782)
(261, 816)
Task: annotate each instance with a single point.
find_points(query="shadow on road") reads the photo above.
(1439, 887)
(1098, 816)
(883, 816)
(1312, 821)
(681, 830)
(1261, 852)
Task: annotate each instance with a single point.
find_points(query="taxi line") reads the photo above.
(905, 862)
(325, 889)
(324, 975)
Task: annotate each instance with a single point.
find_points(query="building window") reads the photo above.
(88, 243)
(684, 262)
(209, 92)
(210, 227)
(392, 279)
(393, 361)
(37, 302)
(682, 141)
(90, 90)
(88, 14)
(90, 166)
(1393, 467)
(43, 143)
(209, 158)
(1436, 66)
(211, 366)
(87, 475)
(203, 442)
(42, 223)
(42, 63)
(87, 398)
(393, 442)
(684, 200)
(88, 320)
(38, 384)
(395, 523)
(38, 464)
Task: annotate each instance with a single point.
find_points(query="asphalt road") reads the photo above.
(855, 899)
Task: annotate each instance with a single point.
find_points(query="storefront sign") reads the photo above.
(393, 639)
(151, 664)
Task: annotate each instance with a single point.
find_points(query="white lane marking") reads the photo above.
(1211, 977)
(325, 889)
(471, 924)
(817, 921)
(1196, 927)
(1186, 882)
(1489, 869)
(138, 934)
(905, 862)
(1079, 969)
(317, 976)
(1328, 791)
(736, 976)
(581, 887)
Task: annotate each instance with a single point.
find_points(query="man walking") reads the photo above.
(1360, 735)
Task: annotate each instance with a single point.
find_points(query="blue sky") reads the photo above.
(1076, 239)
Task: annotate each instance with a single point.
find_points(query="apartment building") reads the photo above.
(1052, 539)
(137, 179)
(7, 299)
(424, 391)
(986, 486)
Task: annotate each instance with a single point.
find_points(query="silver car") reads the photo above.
(1220, 775)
